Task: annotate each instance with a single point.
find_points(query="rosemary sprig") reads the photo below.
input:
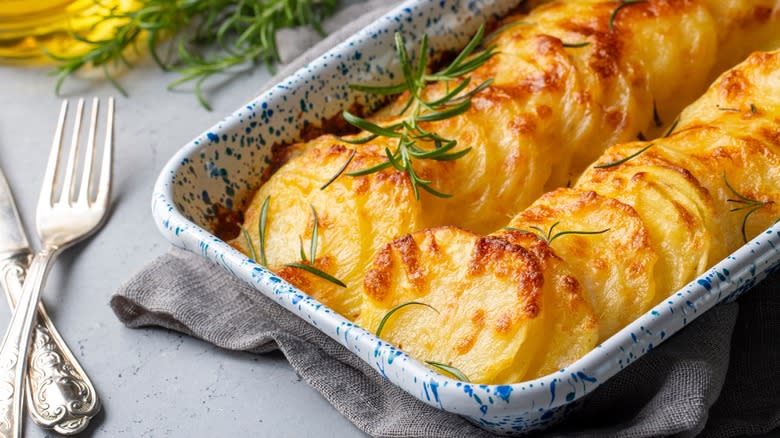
(576, 45)
(341, 170)
(319, 273)
(753, 109)
(238, 33)
(656, 117)
(397, 308)
(249, 243)
(408, 132)
(672, 128)
(314, 230)
(261, 229)
(623, 160)
(746, 204)
(548, 235)
(313, 255)
(623, 4)
(302, 252)
(449, 369)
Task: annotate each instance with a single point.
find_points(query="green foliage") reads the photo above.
(209, 37)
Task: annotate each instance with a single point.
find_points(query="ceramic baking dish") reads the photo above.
(222, 167)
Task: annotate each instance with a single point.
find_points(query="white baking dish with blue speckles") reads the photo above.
(224, 164)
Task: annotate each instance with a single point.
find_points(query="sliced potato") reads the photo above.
(580, 263)
(719, 159)
(489, 296)
(676, 210)
(354, 213)
(572, 327)
(614, 267)
(550, 110)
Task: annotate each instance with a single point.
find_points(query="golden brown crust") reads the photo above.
(496, 286)
(551, 111)
(376, 284)
(410, 260)
(618, 294)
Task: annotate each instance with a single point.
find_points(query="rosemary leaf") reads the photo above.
(262, 225)
(314, 230)
(249, 244)
(458, 61)
(449, 369)
(452, 94)
(396, 309)
(446, 113)
(545, 235)
(370, 170)
(623, 160)
(582, 233)
(236, 35)
(742, 198)
(656, 117)
(623, 4)
(549, 236)
(312, 270)
(744, 203)
(370, 127)
(745, 219)
(408, 132)
(361, 140)
(672, 128)
(576, 45)
(434, 192)
(341, 170)
(308, 265)
(384, 91)
(302, 253)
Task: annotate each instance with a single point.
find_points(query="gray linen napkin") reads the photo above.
(688, 384)
(718, 377)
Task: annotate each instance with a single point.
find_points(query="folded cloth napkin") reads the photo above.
(719, 376)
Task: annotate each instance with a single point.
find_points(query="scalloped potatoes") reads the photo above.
(645, 219)
(522, 302)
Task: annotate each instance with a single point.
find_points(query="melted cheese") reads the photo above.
(669, 213)
(352, 217)
(549, 113)
(497, 303)
(619, 292)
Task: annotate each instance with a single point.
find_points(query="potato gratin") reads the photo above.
(569, 268)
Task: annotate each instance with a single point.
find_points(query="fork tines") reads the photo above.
(87, 179)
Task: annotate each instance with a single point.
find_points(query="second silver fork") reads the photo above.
(60, 223)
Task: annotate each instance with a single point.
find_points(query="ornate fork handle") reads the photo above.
(13, 357)
(16, 341)
(60, 395)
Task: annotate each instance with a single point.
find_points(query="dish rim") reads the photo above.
(594, 365)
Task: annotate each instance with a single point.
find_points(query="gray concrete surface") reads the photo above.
(153, 383)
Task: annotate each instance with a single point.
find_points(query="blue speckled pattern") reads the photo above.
(223, 165)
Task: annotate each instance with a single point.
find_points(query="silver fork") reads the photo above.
(61, 223)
